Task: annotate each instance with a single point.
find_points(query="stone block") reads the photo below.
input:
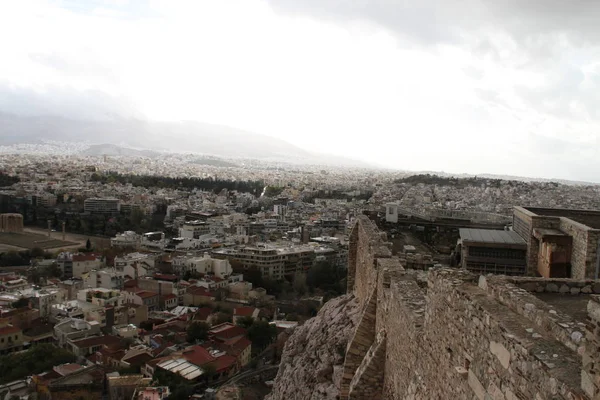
(575, 290)
(586, 289)
(552, 287)
(587, 385)
(564, 289)
(476, 386)
(501, 353)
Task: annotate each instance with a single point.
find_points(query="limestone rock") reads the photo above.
(312, 360)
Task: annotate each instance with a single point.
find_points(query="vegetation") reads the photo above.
(149, 181)
(22, 302)
(430, 179)
(180, 388)
(19, 258)
(39, 358)
(261, 334)
(273, 191)
(245, 322)
(8, 180)
(197, 331)
(328, 278)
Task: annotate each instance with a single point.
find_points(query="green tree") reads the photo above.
(22, 302)
(197, 331)
(300, 283)
(37, 359)
(245, 322)
(261, 333)
(37, 252)
(210, 370)
(88, 245)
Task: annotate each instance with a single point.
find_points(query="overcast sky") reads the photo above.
(476, 86)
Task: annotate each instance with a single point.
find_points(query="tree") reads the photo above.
(210, 370)
(261, 333)
(197, 331)
(300, 283)
(88, 245)
(222, 318)
(22, 302)
(37, 252)
(245, 322)
(38, 358)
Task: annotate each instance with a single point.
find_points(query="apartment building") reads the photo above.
(271, 260)
(95, 205)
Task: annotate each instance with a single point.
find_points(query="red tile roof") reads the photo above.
(243, 311)
(168, 296)
(229, 333)
(202, 314)
(107, 340)
(197, 355)
(225, 363)
(9, 330)
(165, 277)
(85, 257)
(139, 359)
(144, 294)
(200, 291)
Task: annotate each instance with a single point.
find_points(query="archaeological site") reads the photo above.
(445, 333)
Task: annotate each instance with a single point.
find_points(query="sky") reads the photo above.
(479, 86)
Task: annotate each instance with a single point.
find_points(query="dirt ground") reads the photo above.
(29, 240)
(401, 239)
(77, 240)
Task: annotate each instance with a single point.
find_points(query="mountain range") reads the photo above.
(172, 137)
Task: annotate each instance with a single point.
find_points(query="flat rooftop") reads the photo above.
(491, 236)
(589, 218)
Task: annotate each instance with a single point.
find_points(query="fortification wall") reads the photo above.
(585, 248)
(457, 335)
(450, 334)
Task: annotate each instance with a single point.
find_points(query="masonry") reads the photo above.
(450, 334)
(573, 235)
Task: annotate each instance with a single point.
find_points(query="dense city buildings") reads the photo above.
(202, 272)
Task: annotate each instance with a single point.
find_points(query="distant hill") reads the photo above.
(114, 150)
(176, 137)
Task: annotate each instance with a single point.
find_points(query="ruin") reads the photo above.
(11, 223)
(451, 334)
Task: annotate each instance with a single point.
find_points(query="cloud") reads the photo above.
(414, 85)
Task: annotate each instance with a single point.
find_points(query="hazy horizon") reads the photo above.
(507, 89)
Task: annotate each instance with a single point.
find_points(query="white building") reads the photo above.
(391, 212)
(194, 229)
(106, 205)
(106, 278)
(203, 265)
(126, 239)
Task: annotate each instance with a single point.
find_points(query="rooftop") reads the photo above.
(491, 236)
(590, 218)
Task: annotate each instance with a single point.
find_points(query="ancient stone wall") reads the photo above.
(585, 248)
(451, 334)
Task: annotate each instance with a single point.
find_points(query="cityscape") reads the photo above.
(299, 200)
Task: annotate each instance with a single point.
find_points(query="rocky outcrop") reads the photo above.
(312, 362)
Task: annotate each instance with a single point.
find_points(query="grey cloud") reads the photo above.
(437, 21)
(65, 102)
